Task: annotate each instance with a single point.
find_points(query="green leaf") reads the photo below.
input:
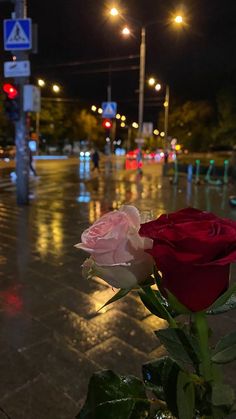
(225, 350)
(176, 305)
(230, 304)
(120, 294)
(181, 346)
(156, 304)
(223, 298)
(152, 307)
(222, 395)
(170, 374)
(160, 376)
(152, 375)
(113, 396)
(185, 396)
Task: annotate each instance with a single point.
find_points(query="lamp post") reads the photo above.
(55, 89)
(178, 19)
(152, 82)
(142, 79)
(166, 119)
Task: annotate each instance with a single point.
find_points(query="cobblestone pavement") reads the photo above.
(52, 337)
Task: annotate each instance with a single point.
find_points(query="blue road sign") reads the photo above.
(109, 109)
(17, 34)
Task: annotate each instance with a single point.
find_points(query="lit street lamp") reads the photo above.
(166, 120)
(114, 11)
(166, 109)
(151, 81)
(56, 88)
(178, 19)
(126, 31)
(41, 82)
(158, 87)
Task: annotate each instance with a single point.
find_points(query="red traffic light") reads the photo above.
(107, 123)
(10, 90)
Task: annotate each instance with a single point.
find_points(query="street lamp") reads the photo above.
(151, 81)
(114, 12)
(158, 87)
(41, 82)
(179, 19)
(166, 109)
(166, 120)
(126, 31)
(56, 88)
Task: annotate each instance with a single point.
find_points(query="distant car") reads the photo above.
(84, 155)
(132, 154)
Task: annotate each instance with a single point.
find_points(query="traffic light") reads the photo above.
(12, 101)
(106, 123)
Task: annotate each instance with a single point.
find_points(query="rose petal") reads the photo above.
(132, 214)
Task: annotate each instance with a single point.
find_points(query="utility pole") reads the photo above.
(141, 96)
(22, 155)
(166, 105)
(141, 79)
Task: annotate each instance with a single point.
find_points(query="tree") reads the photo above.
(225, 132)
(191, 123)
(60, 121)
(53, 117)
(87, 127)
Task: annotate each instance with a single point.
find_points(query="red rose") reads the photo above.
(193, 249)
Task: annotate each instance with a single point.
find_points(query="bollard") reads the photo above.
(174, 181)
(208, 179)
(209, 171)
(190, 173)
(197, 173)
(226, 171)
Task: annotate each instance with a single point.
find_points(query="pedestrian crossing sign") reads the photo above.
(109, 109)
(17, 34)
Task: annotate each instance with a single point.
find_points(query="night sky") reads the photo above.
(195, 61)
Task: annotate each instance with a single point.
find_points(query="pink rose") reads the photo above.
(117, 250)
(114, 238)
(128, 275)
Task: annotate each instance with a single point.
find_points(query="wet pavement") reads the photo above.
(52, 337)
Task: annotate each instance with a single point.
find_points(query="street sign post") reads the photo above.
(17, 34)
(17, 68)
(147, 129)
(109, 110)
(31, 98)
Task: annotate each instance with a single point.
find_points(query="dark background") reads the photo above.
(196, 61)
